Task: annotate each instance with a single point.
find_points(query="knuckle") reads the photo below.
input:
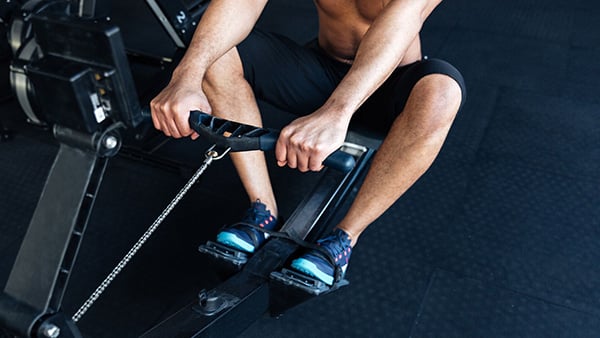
(320, 147)
(296, 141)
(311, 148)
(285, 133)
(176, 107)
(163, 107)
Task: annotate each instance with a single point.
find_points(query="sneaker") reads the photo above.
(322, 264)
(244, 235)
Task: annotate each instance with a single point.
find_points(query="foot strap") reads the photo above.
(338, 273)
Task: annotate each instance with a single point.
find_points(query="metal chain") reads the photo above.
(210, 156)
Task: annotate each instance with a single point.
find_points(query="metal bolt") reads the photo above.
(110, 142)
(51, 331)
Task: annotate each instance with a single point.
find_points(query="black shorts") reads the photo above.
(300, 78)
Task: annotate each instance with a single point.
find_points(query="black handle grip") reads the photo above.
(242, 137)
(340, 161)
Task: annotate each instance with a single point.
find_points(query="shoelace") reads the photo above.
(336, 247)
(255, 216)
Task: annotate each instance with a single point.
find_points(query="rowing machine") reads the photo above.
(260, 285)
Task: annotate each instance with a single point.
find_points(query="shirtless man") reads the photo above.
(366, 65)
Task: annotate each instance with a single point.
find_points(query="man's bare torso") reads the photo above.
(343, 23)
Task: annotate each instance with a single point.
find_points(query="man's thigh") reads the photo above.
(292, 77)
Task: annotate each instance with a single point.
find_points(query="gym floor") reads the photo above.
(500, 238)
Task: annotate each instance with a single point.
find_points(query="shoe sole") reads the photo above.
(234, 241)
(311, 269)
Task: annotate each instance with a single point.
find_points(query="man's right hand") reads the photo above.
(171, 108)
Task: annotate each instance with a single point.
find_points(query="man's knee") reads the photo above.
(443, 90)
(440, 97)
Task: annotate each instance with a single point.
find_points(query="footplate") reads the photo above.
(223, 252)
(305, 283)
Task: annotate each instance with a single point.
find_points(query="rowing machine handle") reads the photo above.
(243, 137)
(337, 160)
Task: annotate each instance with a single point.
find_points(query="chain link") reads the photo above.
(210, 156)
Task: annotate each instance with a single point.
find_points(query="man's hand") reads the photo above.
(308, 140)
(171, 108)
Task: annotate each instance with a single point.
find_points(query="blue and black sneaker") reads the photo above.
(333, 254)
(245, 235)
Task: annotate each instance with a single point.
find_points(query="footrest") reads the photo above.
(223, 252)
(306, 283)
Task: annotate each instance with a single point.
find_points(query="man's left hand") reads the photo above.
(308, 140)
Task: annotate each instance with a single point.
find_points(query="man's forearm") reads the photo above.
(381, 50)
(224, 24)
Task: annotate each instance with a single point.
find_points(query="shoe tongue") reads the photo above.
(258, 211)
(339, 241)
(258, 206)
